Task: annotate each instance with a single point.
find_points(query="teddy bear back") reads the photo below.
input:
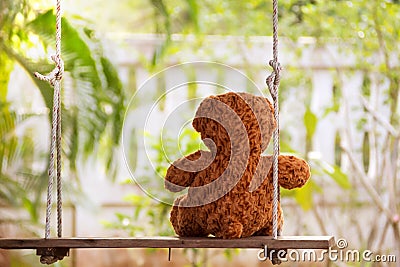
(236, 127)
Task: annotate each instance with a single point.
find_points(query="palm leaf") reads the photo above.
(99, 98)
(93, 105)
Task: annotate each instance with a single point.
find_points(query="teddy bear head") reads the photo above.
(234, 118)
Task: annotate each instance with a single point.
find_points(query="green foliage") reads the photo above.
(6, 67)
(339, 177)
(93, 105)
(16, 157)
(148, 218)
(310, 122)
(334, 172)
(97, 86)
(304, 195)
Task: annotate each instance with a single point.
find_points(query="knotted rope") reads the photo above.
(54, 78)
(273, 81)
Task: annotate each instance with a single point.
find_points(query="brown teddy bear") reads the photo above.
(230, 187)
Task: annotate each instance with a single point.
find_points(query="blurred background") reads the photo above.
(339, 99)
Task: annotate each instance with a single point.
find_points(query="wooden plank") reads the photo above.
(283, 242)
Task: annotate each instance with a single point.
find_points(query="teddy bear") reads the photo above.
(229, 187)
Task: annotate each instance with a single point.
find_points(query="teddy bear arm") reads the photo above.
(181, 174)
(293, 172)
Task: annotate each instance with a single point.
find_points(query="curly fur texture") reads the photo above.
(230, 187)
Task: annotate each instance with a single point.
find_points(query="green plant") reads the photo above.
(93, 107)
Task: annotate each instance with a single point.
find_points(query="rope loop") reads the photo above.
(276, 66)
(274, 78)
(56, 74)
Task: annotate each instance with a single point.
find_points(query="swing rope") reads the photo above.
(273, 81)
(54, 78)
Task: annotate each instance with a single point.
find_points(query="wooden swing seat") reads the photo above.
(254, 242)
